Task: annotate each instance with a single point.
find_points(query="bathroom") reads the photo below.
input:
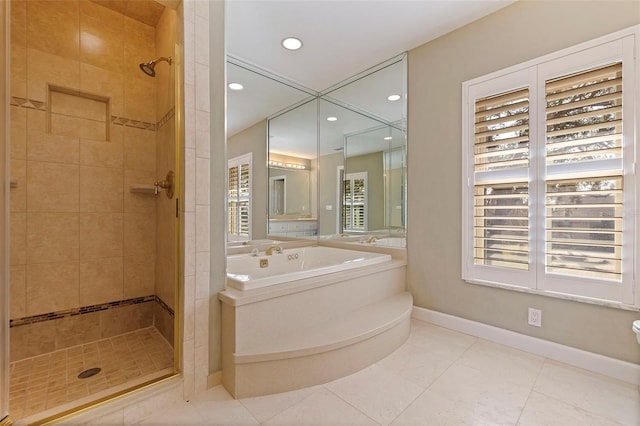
(433, 253)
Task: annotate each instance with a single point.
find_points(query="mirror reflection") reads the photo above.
(335, 161)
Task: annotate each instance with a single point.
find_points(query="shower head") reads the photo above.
(149, 67)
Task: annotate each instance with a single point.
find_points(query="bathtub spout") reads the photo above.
(372, 239)
(273, 249)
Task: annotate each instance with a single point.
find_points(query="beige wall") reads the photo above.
(522, 31)
(253, 140)
(298, 190)
(328, 184)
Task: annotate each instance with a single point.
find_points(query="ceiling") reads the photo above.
(340, 38)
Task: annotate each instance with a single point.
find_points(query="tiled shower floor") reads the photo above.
(51, 380)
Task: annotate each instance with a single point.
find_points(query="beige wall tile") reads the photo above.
(52, 187)
(52, 287)
(78, 127)
(106, 83)
(78, 104)
(44, 67)
(164, 322)
(18, 247)
(139, 47)
(139, 234)
(19, 23)
(19, 69)
(77, 330)
(18, 292)
(19, 194)
(139, 276)
(52, 148)
(125, 319)
(101, 153)
(139, 149)
(101, 281)
(140, 98)
(136, 202)
(101, 235)
(101, 189)
(52, 237)
(101, 36)
(31, 340)
(44, 31)
(18, 133)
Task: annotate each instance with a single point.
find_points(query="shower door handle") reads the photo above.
(167, 184)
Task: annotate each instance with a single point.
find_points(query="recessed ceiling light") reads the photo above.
(387, 138)
(393, 97)
(332, 118)
(236, 86)
(292, 43)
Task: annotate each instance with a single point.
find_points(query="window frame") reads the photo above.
(534, 74)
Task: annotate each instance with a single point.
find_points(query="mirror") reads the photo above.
(336, 161)
(262, 95)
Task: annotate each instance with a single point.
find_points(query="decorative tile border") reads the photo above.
(89, 309)
(119, 121)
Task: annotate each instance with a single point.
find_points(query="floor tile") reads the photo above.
(412, 363)
(438, 341)
(464, 395)
(265, 407)
(321, 408)
(543, 410)
(592, 392)
(376, 392)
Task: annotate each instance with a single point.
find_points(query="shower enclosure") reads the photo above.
(93, 198)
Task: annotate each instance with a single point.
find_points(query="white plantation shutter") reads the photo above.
(239, 196)
(549, 178)
(501, 211)
(354, 214)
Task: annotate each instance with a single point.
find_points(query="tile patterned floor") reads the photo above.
(438, 377)
(50, 380)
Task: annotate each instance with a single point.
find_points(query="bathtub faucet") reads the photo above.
(274, 248)
(372, 239)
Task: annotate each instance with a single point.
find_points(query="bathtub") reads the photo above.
(244, 272)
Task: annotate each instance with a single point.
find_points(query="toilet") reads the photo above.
(636, 329)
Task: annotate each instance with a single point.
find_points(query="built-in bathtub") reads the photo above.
(314, 314)
(251, 271)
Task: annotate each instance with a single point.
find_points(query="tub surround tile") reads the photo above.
(18, 133)
(164, 321)
(101, 235)
(101, 189)
(31, 340)
(18, 238)
(44, 31)
(101, 37)
(125, 319)
(139, 96)
(52, 287)
(79, 104)
(19, 23)
(52, 148)
(44, 196)
(18, 291)
(76, 330)
(139, 46)
(137, 202)
(44, 68)
(139, 276)
(19, 193)
(94, 79)
(52, 237)
(79, 127)
(101, 281)
(139, 234)
(139, 149)
(101, 153)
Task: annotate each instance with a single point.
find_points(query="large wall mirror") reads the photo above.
(327, 165)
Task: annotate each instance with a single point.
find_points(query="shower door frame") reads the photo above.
(5, 39)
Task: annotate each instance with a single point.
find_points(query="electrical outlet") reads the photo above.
(535, 317)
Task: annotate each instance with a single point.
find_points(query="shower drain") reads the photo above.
(89, 373)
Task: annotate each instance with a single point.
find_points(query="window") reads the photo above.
(548, 173)
(239, 198)
(354, 202)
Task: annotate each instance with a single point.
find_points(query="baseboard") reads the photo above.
(621, 370)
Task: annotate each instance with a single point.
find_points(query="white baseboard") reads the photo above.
(621, 370)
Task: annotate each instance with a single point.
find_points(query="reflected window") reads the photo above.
(354, 202)
(239, 198)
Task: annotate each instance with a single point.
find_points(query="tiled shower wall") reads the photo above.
(78, 236)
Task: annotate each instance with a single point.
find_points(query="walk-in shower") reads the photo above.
(93, 259)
